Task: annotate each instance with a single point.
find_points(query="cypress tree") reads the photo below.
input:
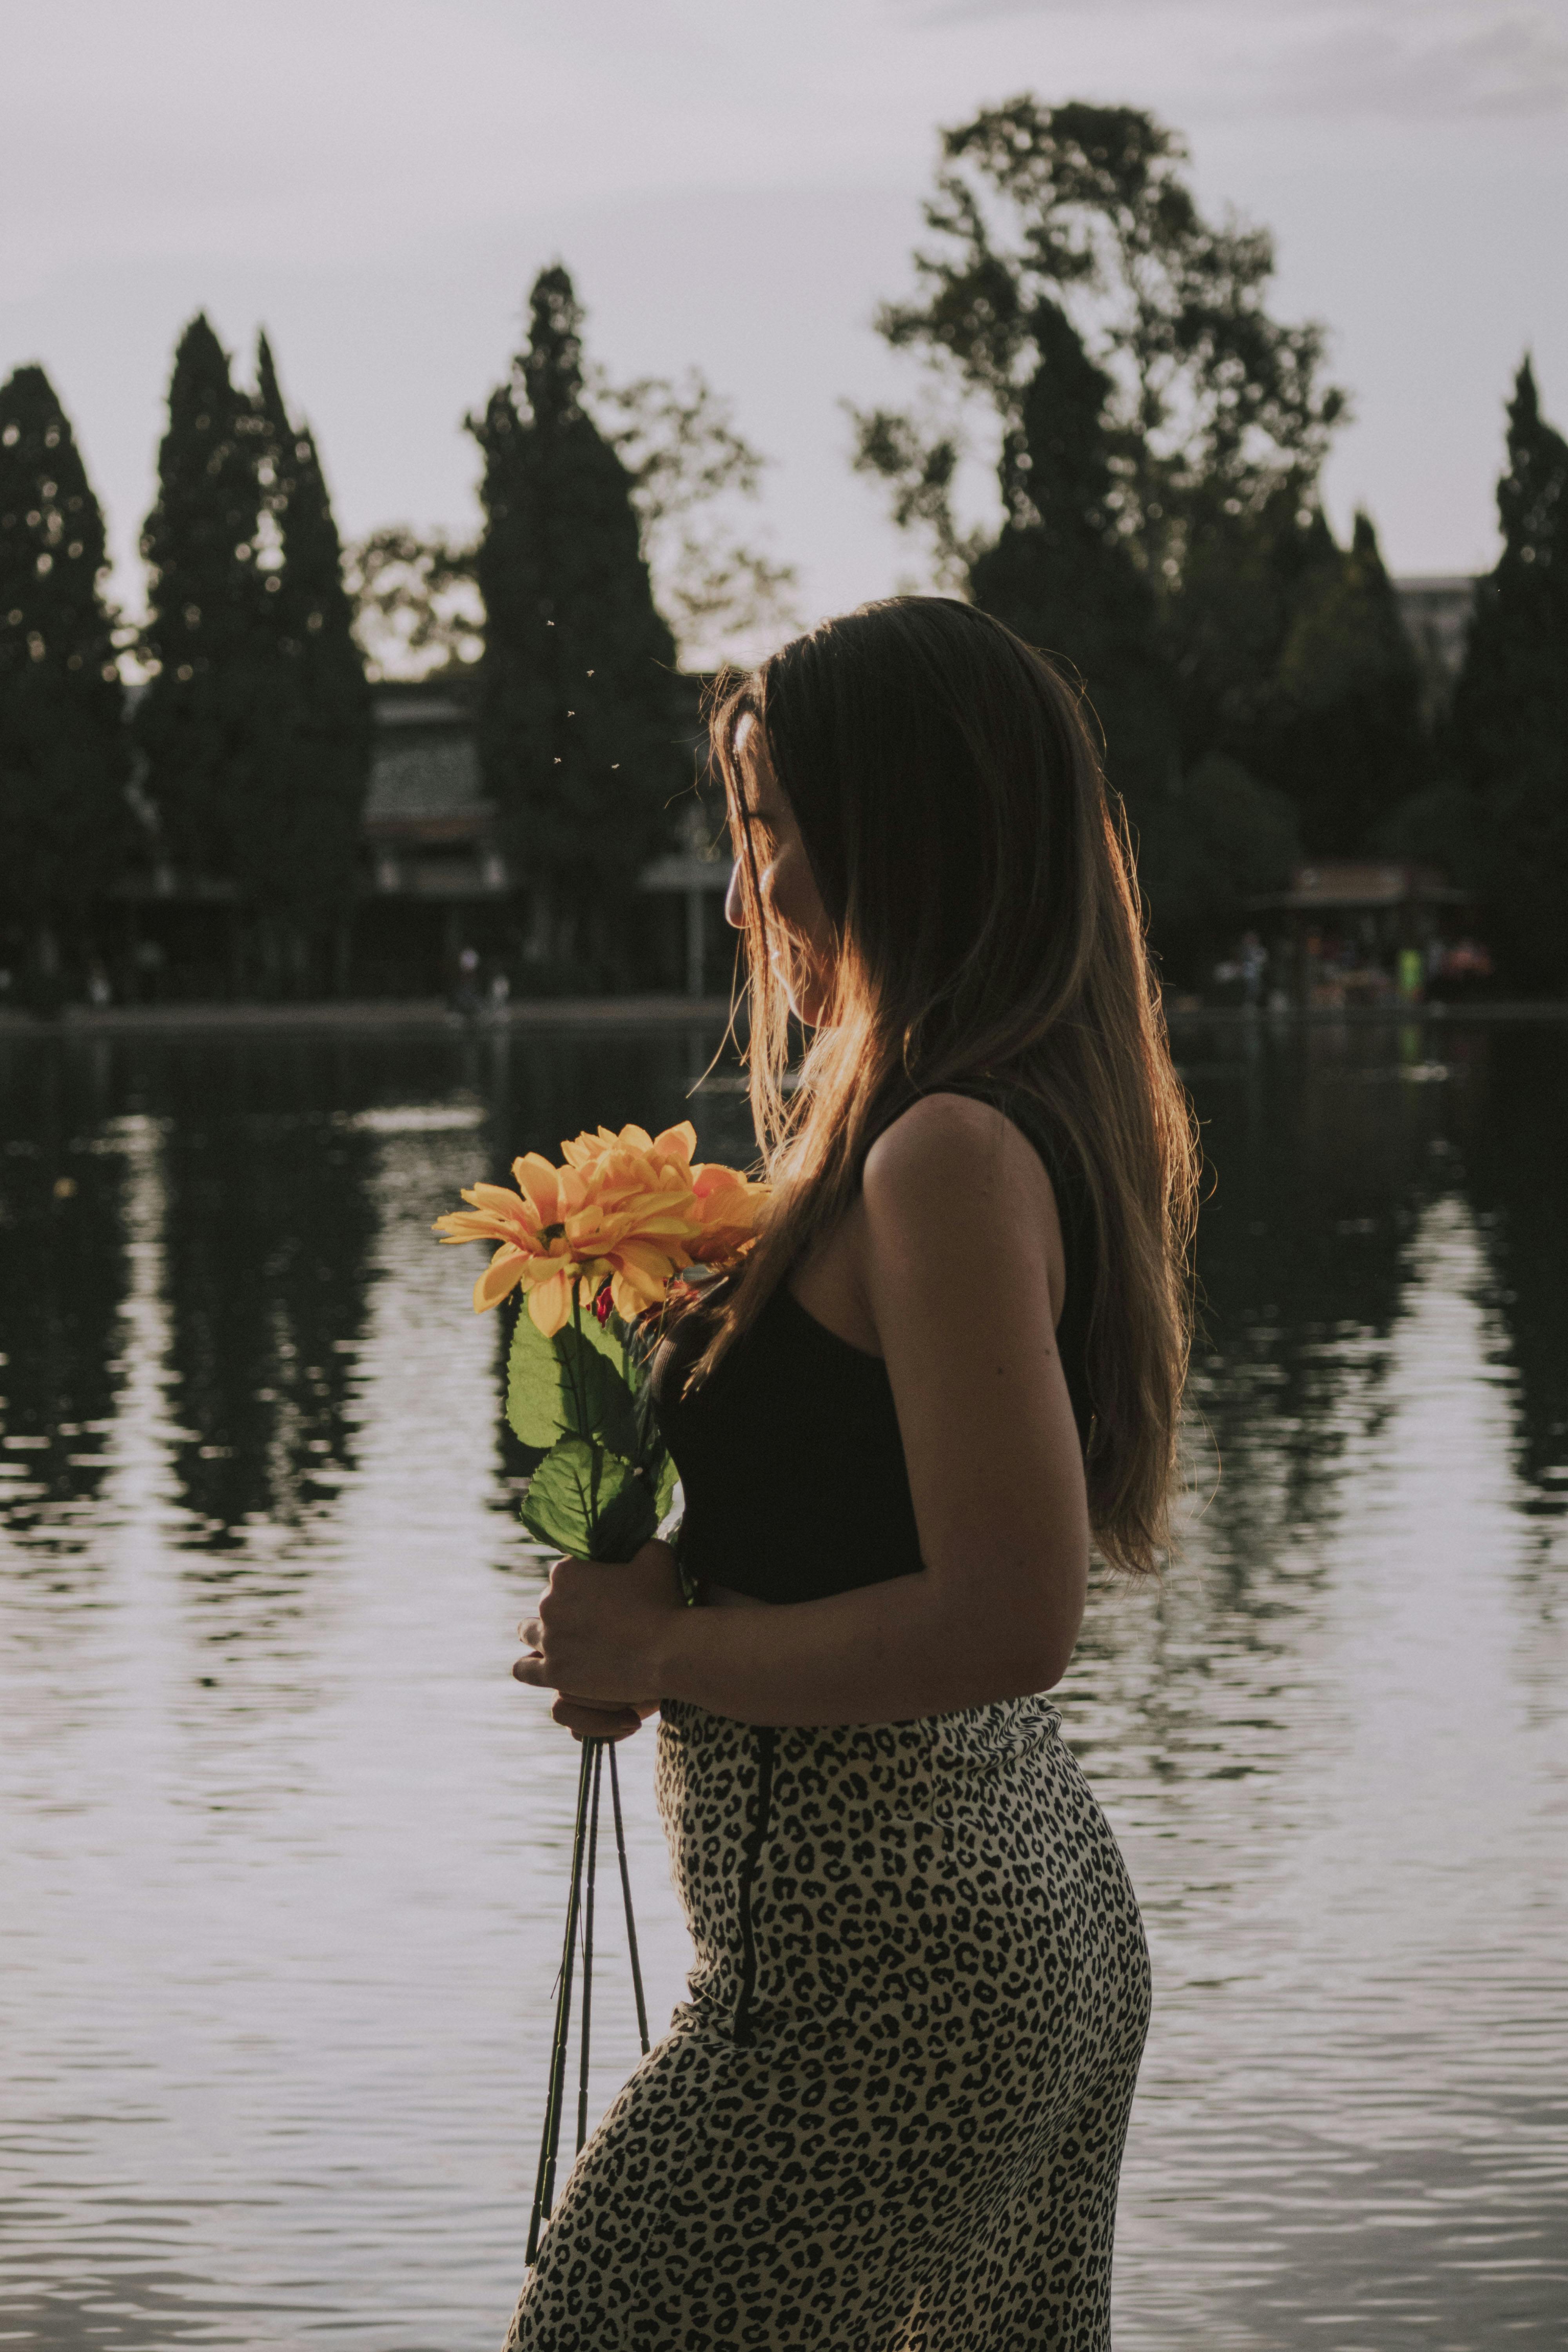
(209, 722)
(302, 857)
(1343, 730)
(1064, 576)
(1247, 573)
(1511, 706)
(578, 720)
(1059, 573)
(64, 824)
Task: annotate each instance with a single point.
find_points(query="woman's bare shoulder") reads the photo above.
(939, 1132)
(959, 1204)
(952, 1160)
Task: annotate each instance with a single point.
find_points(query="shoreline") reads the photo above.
(435, 1016)
(432, 1016)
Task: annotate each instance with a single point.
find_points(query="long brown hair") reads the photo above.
(979, 884)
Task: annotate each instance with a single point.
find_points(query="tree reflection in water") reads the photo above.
(259, 1567)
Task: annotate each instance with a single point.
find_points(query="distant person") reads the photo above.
(1411, 975)
(466, 996)
(893, 2110)
(1253, 960)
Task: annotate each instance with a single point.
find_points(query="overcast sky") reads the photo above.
(735, 183)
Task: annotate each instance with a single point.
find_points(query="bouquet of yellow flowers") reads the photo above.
(593, 1246)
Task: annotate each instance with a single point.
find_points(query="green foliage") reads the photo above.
(601, 1477)
(690, 470)
(568, 1385)
(1059, 573)
(579, 721)
(210, 723)
(1243, 577)
(592, 1503)
(1208, 849)
(1344, 733)
(256, 723)
(1510, 708)
(417, 612)
(1212, 404)
(66, 829)
(303, 865)
(1159, 435)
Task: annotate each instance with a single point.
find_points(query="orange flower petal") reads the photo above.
(645, 1259)
(550, 1305)
(676, 1142)
(501, 1276)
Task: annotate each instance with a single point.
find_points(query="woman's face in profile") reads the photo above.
(800, 944)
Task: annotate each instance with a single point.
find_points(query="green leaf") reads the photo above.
(627, 1522)
(664, 1485)
(593, 1504)
(572, 1385)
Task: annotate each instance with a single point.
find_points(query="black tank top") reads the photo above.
(792, 1465)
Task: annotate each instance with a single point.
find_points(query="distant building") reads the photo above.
(436, 877)
(433, 876)
(1336, 934)
(1435, 608)
(434, 882)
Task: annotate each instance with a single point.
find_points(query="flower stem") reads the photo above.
(626, 1895)
(544, 2183)
(599, 1747)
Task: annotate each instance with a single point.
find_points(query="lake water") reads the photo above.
(282, 1846)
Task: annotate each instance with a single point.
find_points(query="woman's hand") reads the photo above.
(599, 1632)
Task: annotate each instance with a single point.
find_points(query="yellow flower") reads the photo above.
(630, 1206)
(727, 1205)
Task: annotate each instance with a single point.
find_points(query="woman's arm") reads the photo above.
(964, 1274)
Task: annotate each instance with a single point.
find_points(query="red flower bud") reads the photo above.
(602, 1302)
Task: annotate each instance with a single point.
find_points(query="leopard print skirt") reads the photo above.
(890, 2116)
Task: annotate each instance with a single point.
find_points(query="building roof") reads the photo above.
(1347, 884)
(425, 782)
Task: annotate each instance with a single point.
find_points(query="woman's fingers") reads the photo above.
(586, 1721)
(586, 1718)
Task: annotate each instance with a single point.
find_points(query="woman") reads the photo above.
(890, 2116)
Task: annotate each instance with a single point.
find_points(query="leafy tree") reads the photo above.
(1213, 405)
(1158, 436)
(65, 823)
(692, 471)
(691, 474)
(210, 723)
(1345, 733)
(579, 718)
(301, 862)
(1245, 579)
(1206, 848)
(1061, 575)
(1511, 706)
(417, 609)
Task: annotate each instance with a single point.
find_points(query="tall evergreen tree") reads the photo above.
(1061, 575)
(1344, 731)
(579, 721)
(65, 823)
(209, 720)
(1246, 571)
(1511, 706)
(303, 851)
